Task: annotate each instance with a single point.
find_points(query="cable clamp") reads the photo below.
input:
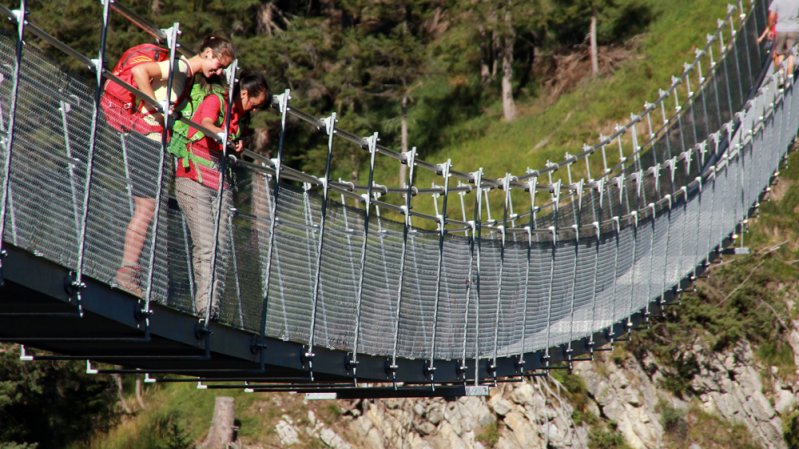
(19, 15)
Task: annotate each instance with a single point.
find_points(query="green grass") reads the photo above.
(545, 130)
(180, 412)
(577, 117)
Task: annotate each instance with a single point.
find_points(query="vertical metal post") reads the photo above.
(462, 195)
(232, 243)
(742, 17)
(492, 367)
(488, 205)
(730, 10)
(616, 221)
(678, 109)
(330, 128)
(701, 82)
(576, 227)
(219, 198)
(671, 164)
(410, 160)
(724, 66)
(649, 107)
(553, 230)
(634, 120)
(721, 162)
(530, 228)
(65, 108)
(666, 132)
(742, 183)
(441, 220)
(622, 158)
(710, 38)
(124, 146)
(283, 105)
(172, 38)
(472, 233)
(688, 68)
(12, 115)
(600, 187)
(637, 178)
(371, 143)
(76, 284)
(477, 231)
(655, 170)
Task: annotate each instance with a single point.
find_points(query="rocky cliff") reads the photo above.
(616, 401)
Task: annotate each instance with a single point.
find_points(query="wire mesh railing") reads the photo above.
(283, 254)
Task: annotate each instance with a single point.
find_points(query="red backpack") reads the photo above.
(121, 107)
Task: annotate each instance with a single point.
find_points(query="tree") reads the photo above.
(607, 21)
(501, 28)
(51, 403)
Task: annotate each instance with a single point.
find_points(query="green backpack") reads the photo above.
(180, 143)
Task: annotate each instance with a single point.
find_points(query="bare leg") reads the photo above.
(135, 236)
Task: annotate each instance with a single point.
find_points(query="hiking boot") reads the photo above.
(128, 279)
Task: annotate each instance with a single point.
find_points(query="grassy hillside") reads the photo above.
(546, 129)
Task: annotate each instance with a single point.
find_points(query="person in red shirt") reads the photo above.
(216, 53)
(197, 182)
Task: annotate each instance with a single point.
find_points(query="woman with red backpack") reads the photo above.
(199, 174)
(150, 75)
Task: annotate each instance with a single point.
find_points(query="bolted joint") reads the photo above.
(257, 345)
(73, 284)
(430, 369)
(141, 314)
(391, 368)
(351, 363)
(201, 330)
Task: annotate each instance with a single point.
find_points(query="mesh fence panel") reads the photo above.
(522, 296)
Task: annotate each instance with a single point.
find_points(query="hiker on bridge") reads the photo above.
(147, 67)
(198, 177)
(783, 18)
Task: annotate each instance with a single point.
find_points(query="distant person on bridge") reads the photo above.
(150, 77)
(198, 175)
(783, 18)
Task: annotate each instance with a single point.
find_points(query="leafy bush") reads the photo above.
(673, 420)
(606, 438)
(790, 429)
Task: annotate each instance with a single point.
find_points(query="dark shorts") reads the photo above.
(784, 42)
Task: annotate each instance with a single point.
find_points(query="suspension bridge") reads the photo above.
(321, 290)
